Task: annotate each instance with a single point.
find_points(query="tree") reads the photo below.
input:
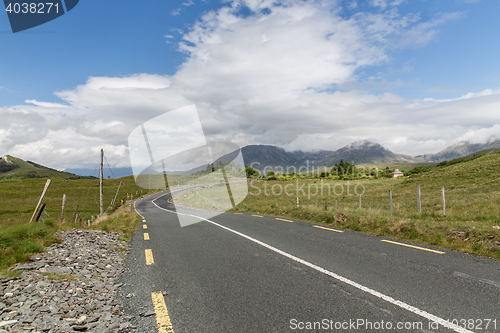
(251, 172)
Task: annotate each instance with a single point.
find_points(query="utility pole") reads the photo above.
(100, 185)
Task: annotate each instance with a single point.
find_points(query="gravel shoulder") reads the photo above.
(72, 286)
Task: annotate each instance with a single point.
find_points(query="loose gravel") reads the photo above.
(71, 287)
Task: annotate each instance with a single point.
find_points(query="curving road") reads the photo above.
(252, 273)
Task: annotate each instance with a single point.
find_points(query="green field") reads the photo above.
(19, 239)
(472, 191)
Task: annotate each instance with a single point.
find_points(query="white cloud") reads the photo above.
(481, 135)
(263, 78)
(385, 3)
(45, 104)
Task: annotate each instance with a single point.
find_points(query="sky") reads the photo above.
(413, 75)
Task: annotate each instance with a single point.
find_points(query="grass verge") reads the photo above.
(19, 243)
(471, 224)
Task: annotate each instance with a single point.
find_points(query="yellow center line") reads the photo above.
(317, 226)
(149, 256)
(162, 318)
(257, 215)
(144, 220)
(283, 220)
(413, 246)
(144, 226)
(146, 236)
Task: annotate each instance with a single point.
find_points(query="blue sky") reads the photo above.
(271, 85)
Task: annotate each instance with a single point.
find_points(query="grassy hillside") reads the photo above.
(472, 205)
(13, 168)
(403, 166)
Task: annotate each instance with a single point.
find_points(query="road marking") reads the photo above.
(317, 226)
(138, 211)
(146, 236)
(162, 318)
(375, 293)
(144, 221)
(144, 226)
(413, 246)
(149, 256)
(257, 215)
(283, 220)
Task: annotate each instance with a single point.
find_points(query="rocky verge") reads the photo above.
(71, 287)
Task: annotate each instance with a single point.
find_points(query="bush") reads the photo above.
(33, 174)
(251, 172)
(418, 169)
(270, 175)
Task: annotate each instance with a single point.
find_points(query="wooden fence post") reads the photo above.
(74, 214)
(419, 203)
(315, 202)
(40, 211)
(47, 183)
(359, 201)
(390, 201)
(335, 204)
(63, 206)
(444, 200)
(297, 202)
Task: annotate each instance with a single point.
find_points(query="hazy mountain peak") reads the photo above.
(363, 144)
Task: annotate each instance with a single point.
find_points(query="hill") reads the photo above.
(13, 168)
(359, 152)
(263, 155)
(461, 149)
(366, 152)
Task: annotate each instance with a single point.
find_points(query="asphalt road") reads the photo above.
(247, 273)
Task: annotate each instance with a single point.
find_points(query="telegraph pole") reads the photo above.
(100, 184)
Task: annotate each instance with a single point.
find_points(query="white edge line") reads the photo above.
(389, 299)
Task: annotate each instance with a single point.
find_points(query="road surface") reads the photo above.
(254, 273)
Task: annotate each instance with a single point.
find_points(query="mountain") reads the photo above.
(15, 168)
(461, 149)
(365, 152)
(260, 156)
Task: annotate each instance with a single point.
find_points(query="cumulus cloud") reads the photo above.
(45, 104)
(481, 135)
(264, 78)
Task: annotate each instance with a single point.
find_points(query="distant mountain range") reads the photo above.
(107, 172)
(260, 156)
(461, 149)
(361, 152)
